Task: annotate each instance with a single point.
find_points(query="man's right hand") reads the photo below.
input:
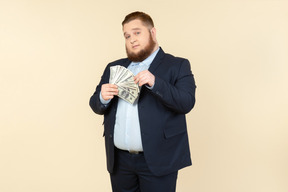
(108, 91)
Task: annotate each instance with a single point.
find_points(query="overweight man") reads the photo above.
(146, 141)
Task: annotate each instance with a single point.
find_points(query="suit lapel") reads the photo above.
(126, 63)
(157, 60)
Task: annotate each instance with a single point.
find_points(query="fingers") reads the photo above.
(108, 91)
(145, 77)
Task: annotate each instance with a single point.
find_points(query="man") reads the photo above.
(146, 142)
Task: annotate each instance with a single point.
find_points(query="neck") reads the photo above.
(155, 48)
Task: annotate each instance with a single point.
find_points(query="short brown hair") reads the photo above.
(145, 18)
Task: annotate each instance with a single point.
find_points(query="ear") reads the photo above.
(153, 33)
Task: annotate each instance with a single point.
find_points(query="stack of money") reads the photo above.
(124, 79)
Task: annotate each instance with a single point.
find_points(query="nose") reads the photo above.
(132, 39)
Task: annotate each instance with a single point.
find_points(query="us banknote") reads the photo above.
(124, 79)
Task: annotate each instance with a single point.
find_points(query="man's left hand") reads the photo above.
(145, 77)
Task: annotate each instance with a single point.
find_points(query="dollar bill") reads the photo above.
(124, 79)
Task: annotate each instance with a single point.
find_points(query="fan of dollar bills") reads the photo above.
(124, 79)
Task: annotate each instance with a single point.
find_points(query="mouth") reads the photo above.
(135, 46)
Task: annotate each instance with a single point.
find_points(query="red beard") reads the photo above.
(143, 54)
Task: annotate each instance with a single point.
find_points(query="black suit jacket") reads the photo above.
(161, 114)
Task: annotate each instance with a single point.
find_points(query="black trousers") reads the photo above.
(131, 174)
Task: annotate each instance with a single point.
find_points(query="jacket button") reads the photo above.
(110, 135)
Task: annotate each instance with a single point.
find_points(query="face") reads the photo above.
(140, 41)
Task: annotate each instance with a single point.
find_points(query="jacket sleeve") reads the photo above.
(177, 94)
(94, 101)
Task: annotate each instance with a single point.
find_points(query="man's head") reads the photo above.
(140, 36)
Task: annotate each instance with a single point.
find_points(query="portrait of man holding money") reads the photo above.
(144, 99)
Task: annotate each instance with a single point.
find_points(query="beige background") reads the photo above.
(52, 55)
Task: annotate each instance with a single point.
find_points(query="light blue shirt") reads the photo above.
(127, 133)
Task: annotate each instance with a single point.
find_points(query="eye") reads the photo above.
(138, 33)
(127, 36)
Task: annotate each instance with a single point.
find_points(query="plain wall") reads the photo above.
(53, 53)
